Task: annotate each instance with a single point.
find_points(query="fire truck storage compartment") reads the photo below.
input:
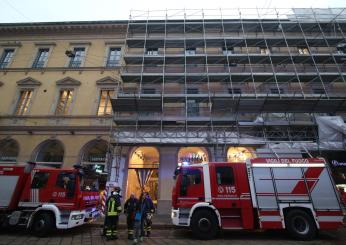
(7, 187)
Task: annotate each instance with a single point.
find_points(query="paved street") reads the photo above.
(89, 235)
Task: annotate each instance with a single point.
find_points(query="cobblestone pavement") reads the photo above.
(90, 235)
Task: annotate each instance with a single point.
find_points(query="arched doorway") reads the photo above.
(94, 157)
(143, 172)
(9, 150)
(191, 155)
(240, 154)
(49, 153)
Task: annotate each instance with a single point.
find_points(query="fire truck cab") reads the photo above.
(45, 198)
(265, 193)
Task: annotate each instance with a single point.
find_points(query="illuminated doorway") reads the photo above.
(192, 155)
(143, 173)
(239, 154)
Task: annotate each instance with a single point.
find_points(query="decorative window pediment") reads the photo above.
(107, 81)
(29, 81)
(68, 81)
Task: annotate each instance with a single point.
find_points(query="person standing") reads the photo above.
(130, 207)
(113, 209)
(138, 223)
(148, 210)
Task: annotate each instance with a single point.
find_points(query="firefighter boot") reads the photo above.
(148, 233)
(130, 235)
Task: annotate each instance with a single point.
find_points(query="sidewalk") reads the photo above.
(159, 222)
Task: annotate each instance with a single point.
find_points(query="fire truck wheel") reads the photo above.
(43, 224)
(204, 224)
(300, 225)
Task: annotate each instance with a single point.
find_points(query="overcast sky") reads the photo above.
(74, 10)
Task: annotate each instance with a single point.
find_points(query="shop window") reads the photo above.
(77, 57)
(6, 58)
(64, 102)
(224, 175)
(105, 105)
(114, 56)
(41, 58)
(303, 50)
(24, 102)
(40, 180)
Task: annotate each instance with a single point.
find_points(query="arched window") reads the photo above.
(239, 154)
(9, 150)
(191, 155)
(50, 152)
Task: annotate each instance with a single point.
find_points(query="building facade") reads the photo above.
(185, 87)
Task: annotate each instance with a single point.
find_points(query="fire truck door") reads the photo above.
(225, 195)
(191, 187)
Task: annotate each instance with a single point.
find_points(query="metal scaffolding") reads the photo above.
(230, 76)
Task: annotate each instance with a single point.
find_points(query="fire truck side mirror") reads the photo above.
(29, 167)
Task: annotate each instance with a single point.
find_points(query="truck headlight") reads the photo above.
(77, 217)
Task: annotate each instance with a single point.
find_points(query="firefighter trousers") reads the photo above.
(130, 220)
(111, 227)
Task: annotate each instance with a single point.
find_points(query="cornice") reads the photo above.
(107, 81)
(29, 81)
(68, 81)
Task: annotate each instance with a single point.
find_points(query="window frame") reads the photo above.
(108, 101)
(108, 55)
(44, 184)
(29, 101)
(58, 101)
(219, 181)
(69, 62)
(36, 58)
(2, 57)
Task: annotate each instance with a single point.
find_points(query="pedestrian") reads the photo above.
(113, 210)
(130, 207)
(137, 235)
(148, 210)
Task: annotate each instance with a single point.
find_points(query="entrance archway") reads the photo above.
(49, 153)
(9, 150)
(239, 154)
(143, 172)
(191, 155)
(94, 156)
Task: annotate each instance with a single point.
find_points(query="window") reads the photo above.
(77, 57)
(192, 91)
(23, 102)
(190, 51)
(67, 181)
(41, 58)
(113, 58)
(264, 50)
(303, 50)
(234, 91)
(40, 180)
(64, 102)
(276, 91)
(192, 108)
(227, 50)
(6, 58)
(193, 176)
(318, 91)
(224, 175)
(105, 106)
(148, 91)
(152, 51)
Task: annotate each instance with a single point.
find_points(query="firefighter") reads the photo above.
(148, 210)
(113, 209)
(130, 207)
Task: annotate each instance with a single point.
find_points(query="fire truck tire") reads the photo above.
(204, 224)
(300, 225)
(43, 224)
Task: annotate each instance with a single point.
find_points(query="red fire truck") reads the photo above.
(41, 199)
(295, 194)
